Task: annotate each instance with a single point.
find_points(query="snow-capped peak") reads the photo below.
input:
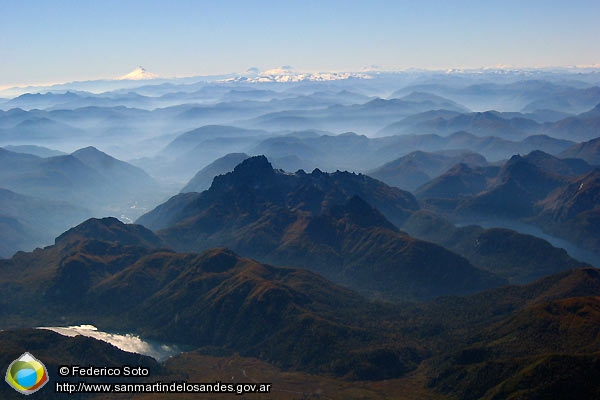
(289, 74)
(139, 73)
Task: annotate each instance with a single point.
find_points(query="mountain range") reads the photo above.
(39, 151)
(43, 196)
(517, 257)
(86, 176)
(253, 308)
(522, 349)
(29, 222)
(525, 95)
(413, 170)
(555, 194)
(217, 301)
(317, 221)
(384, 235)
(487, 123)
(573, 211)
(588, 151)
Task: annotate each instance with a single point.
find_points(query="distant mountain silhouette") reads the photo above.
(558, 166)
(346, 151)
(191, 139)
(556, 194)
(460, 180)
(41, 130)
(29, 222)
(414, 123)
(524, 94)
(520, 183)
(584, 126)
(368, 117)
(588, 151)
(118, 172)
(543, 143)
(350, 151)
(60, 178)
(491, 147)
(34, 150)
(29, 101)
(87, 177)
(510, 191)
(413, 170)
(434, 102)
(514, 256)
(489, 123)
(569, 100)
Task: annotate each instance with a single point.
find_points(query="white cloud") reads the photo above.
(127, 342)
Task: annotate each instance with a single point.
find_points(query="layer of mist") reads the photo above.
(126, 342)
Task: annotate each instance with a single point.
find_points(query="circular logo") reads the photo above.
(26, 374)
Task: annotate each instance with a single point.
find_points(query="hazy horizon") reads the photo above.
(79, 41)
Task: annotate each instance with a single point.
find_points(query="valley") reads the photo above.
(377, 235)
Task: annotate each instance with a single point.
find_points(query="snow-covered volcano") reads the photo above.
(139, 74)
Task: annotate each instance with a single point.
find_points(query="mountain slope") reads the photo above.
(191, 139)
(546, 348)
(489, 123)
(219, 302)
(558, 195)
(88, 179)
(520, 183)
(511, 191)
(573, 211)
(103, 271)
(254, 180)
(319, 221)
(28, 222)
(413, 170)
(59, 178)
(493, 148)
(588, 151)
(118, 172)
(581, 127)
(368, 118)
(433, 101)
(514, 256)
(34, 150)
(460, 180)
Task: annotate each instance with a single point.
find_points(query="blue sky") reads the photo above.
(59, 41)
